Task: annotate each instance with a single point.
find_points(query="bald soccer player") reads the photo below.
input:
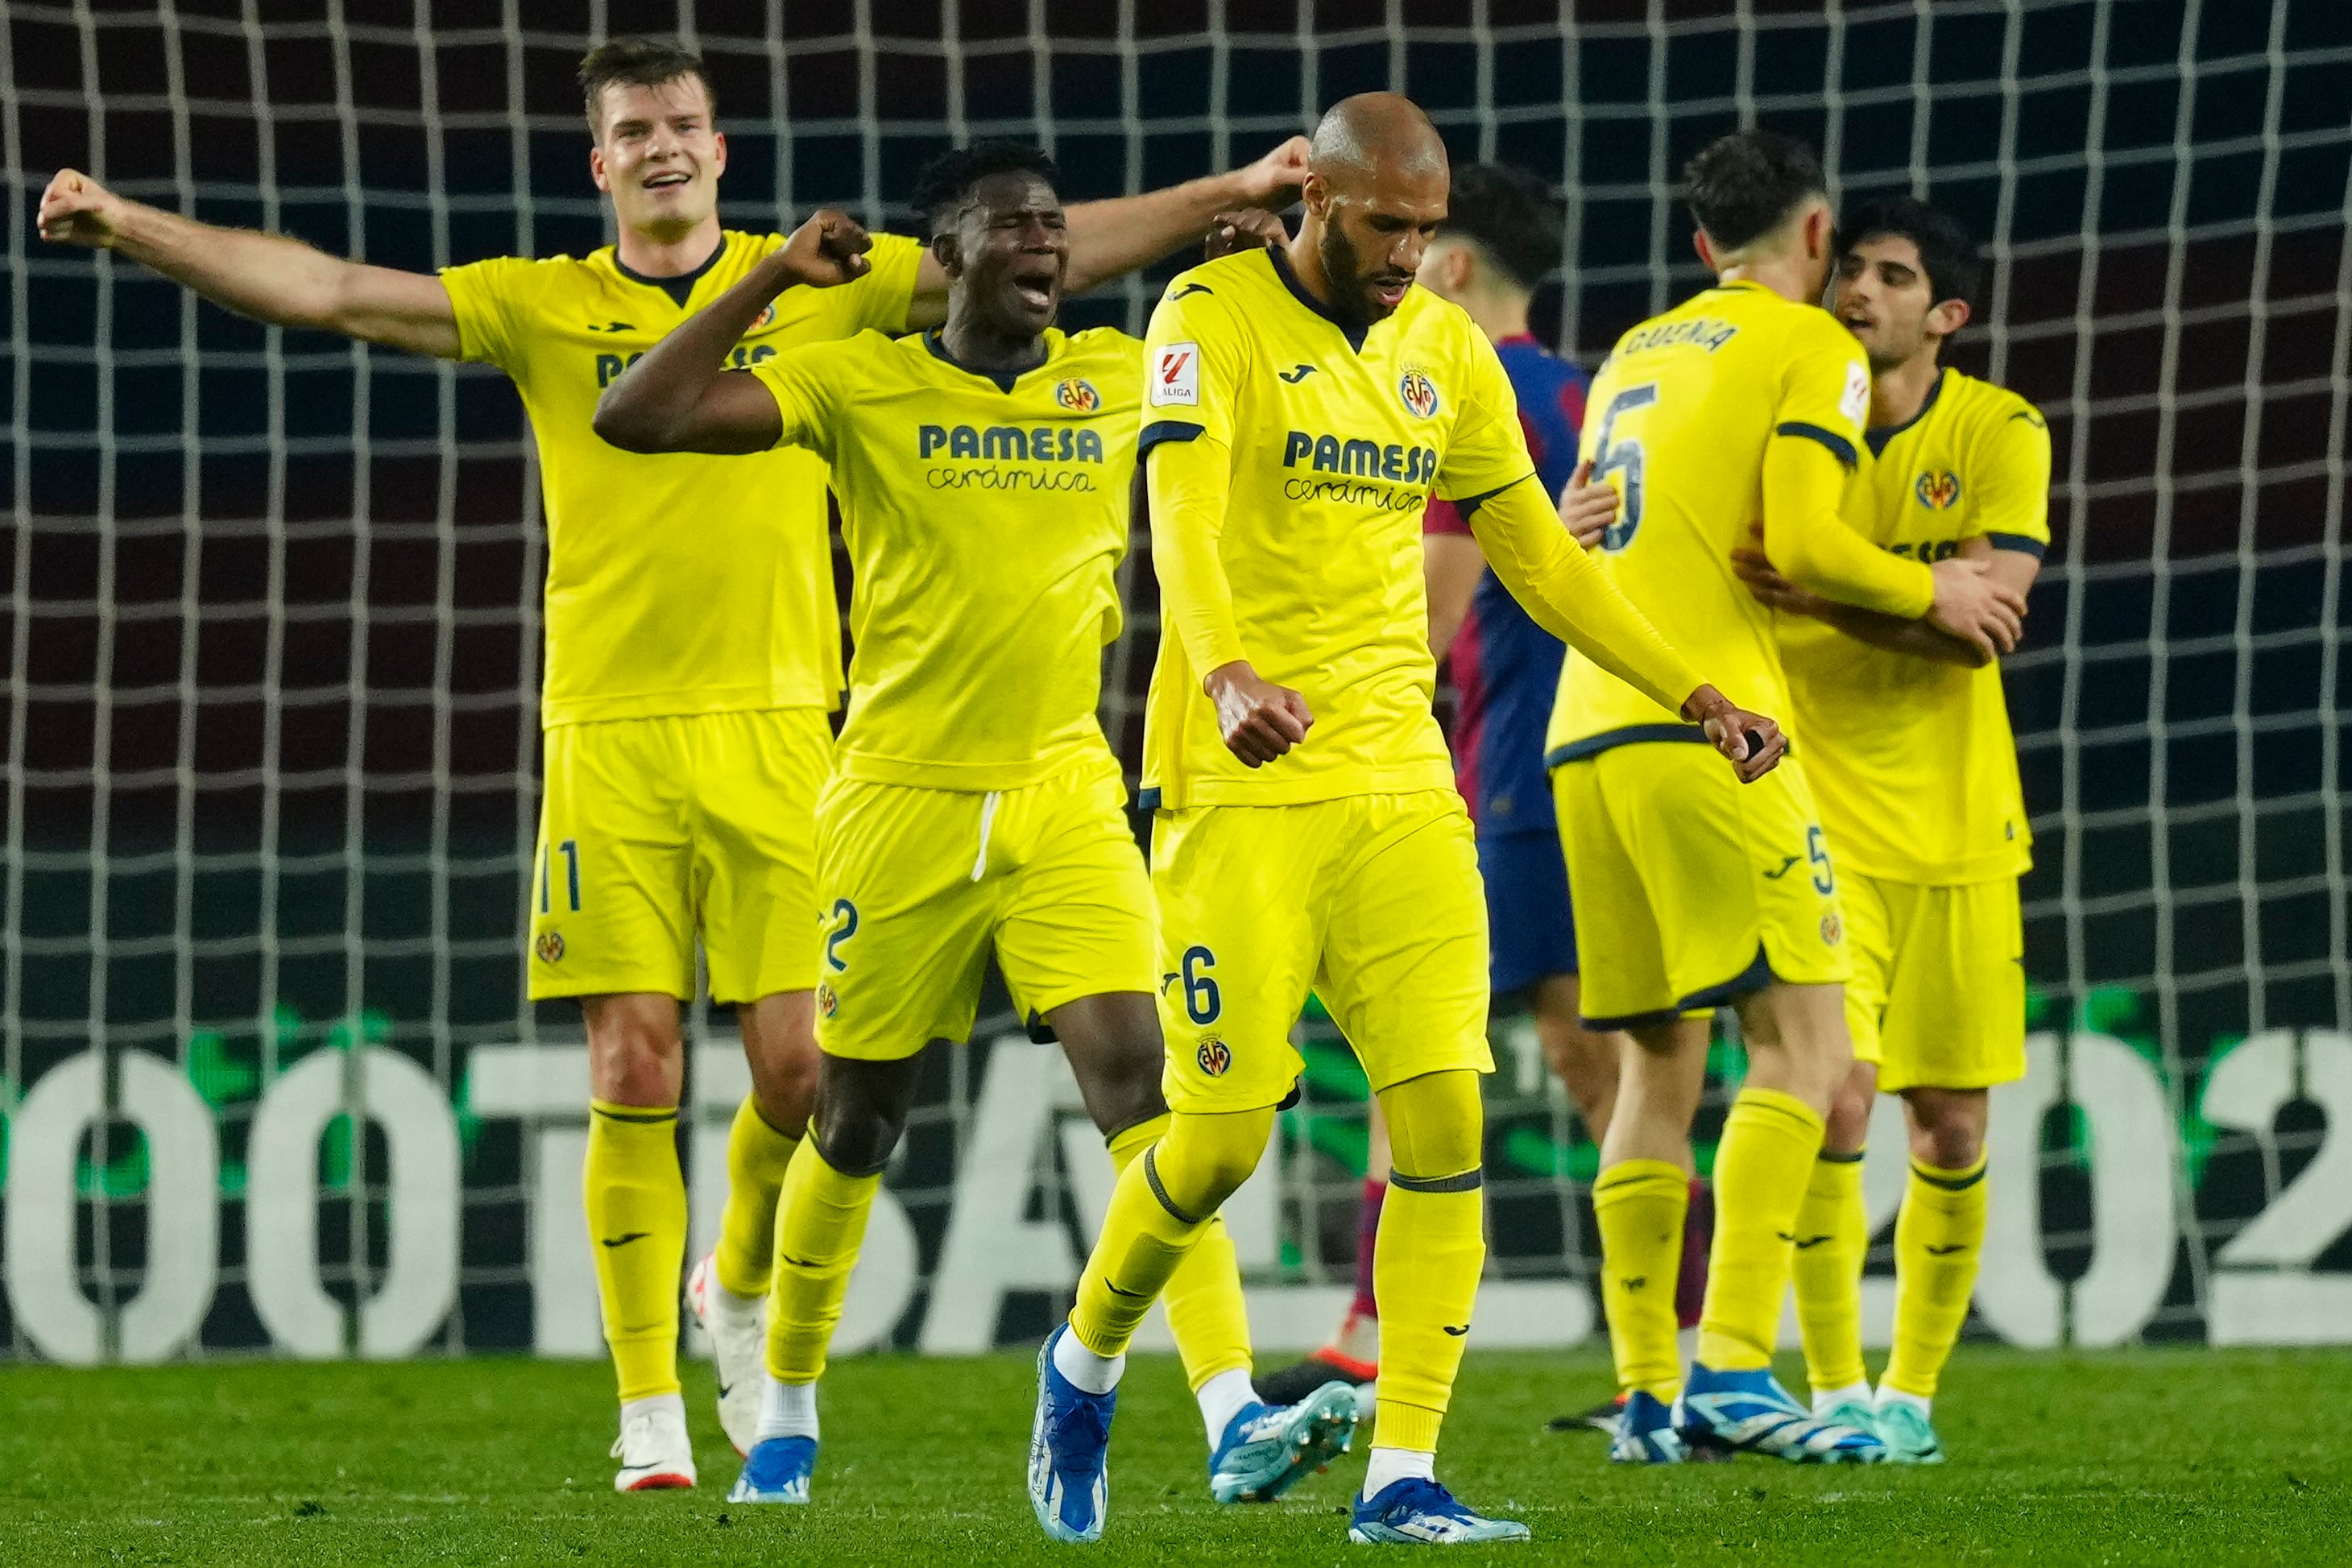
(690, 673)
(1302, 405)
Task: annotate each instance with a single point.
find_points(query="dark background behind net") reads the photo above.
(273, 641)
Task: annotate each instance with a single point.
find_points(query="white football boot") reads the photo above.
(739, 1340)
(653, 1448)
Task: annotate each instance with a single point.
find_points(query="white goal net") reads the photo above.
(273, 634)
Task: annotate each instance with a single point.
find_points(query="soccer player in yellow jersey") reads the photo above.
(1745, 402)
(983, 470)
(1302, 405)
(1907, 740)
(685, 690)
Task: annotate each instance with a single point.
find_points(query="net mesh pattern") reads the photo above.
(273, 627)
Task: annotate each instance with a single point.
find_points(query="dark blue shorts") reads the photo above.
(1534, 930)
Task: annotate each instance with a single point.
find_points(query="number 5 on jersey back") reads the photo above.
(1613, 453)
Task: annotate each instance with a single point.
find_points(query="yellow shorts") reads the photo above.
(652, 830)
(1938, 997)
(1691, 888)
(1373, 900)
(917, 886)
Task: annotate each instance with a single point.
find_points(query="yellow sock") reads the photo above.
(1938, 1239)
(820, 1224)
(1832, 1233)
(1203, 1296)
(1159, 1209)
(634, 1196)
(756, 1156)
(1769, 1142)
(1431, 1249)
(1639, 1206)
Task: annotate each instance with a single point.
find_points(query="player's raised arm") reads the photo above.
(266, 276)
(1110, 238)
(680, 397)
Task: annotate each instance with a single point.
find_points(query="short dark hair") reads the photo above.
(636, 62)
(946, 180)
(1947, 253)
(1742, 187)
(1511, 215)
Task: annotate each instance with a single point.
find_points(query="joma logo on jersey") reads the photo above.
(1366, 459)
(1077, 394)
(1939, 491)
(742, 356)
(1418, 393)
(1011, 443)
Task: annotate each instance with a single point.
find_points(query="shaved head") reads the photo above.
(1375, 193)
(1374, 133)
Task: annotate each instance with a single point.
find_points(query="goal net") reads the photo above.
(270, 1079)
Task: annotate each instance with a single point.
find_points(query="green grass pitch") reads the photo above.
(2191, 1456)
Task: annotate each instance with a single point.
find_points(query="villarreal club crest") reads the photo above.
(1077, 394)
(1418, 393)
(1937, 491)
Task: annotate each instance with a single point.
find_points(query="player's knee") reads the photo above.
(1204, 1158)
(636, 1051)
(1948, 1126)
(861, 1111)
(1436, 1124)
(1848, 1123)
(1114, 1050)
(784, 1081)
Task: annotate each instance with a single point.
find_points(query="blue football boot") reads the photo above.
(1646, 1433)
(1417, 1512)
(1750, 1412)
(1268, 1450)
(1069, 1452)
(777, 1469)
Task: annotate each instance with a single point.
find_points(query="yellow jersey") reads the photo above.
(1336, 438)
(1912, 761)
(680, 583)
(1678, 420)
(984, 516)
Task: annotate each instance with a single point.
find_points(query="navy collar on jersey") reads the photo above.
(1355, 335)
(1879, 438)
(676, 288)
(1004, 380)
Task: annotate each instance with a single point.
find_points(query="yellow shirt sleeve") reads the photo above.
(805, 384)
(1193, 370)
(1571, 597)
(1489, 448)
(2011, 475)
(491, 325)
(1816, 444)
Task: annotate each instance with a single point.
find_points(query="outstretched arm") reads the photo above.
(680, 397)
(268, 277)
(1111, 238)
(1571, 598)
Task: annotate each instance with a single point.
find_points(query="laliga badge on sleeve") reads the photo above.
(1855, 403)
(1176, 376)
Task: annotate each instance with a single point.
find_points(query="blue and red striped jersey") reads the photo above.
(1506, 668)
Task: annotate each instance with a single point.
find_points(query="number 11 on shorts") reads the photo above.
(570, 850)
